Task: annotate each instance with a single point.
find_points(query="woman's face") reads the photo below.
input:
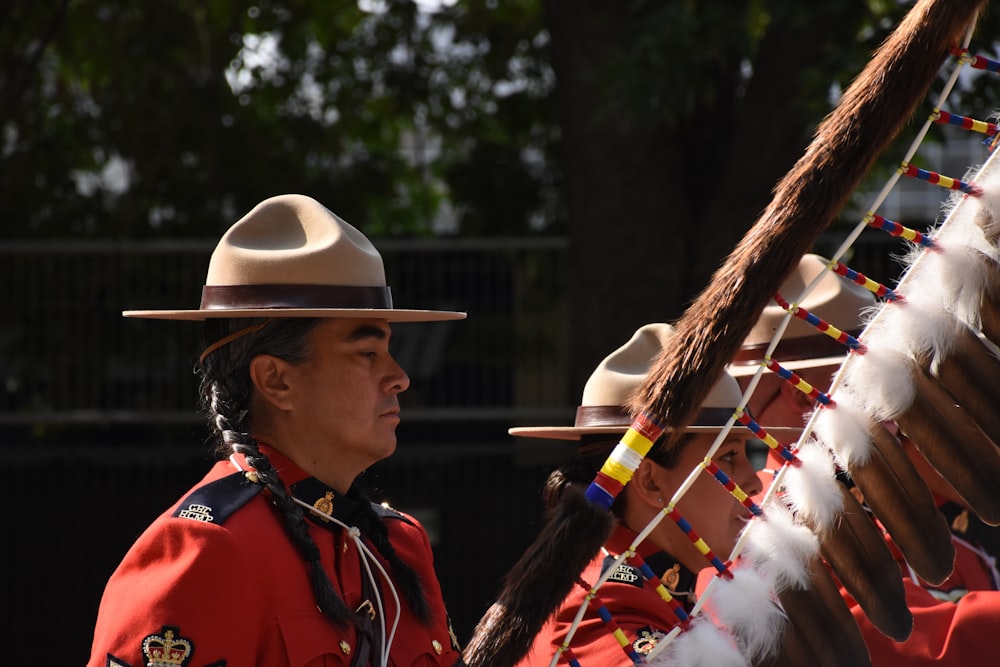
(711, 510)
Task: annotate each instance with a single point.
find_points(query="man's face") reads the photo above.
(346, 395)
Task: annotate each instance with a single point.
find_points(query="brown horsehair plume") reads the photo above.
(868, 117)
(900, 499)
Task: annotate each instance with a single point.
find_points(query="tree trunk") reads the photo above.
(654, 204)
(623, 267)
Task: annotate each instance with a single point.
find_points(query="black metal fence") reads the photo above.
(67, 355)
(100, 434)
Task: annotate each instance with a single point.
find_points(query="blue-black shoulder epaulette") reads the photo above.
(217, 501)
(386, 512)
(624, 573)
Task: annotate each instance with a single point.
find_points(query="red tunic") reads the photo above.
(633, 602)
(955, 623)
(221, 582)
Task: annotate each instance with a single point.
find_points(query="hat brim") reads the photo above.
(575, 433)
(389, 315)
(744, 370)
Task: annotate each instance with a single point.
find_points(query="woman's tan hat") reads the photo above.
(615, 379)
(292, 257)
(834, 299)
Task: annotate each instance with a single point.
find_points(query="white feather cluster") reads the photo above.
(921, 326)
(949, 281)
(779, 548)
(942, 290)
(988, 216)
(845, 430)
(958, 267)
(964, 221)
(811, 489)
(745, 606)
(704, 644)
(880, 379)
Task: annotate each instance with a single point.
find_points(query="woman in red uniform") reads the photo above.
(276, 557)
(629, 597)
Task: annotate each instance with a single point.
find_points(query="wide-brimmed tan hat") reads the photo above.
(615, 379)
(834, 299)
(292, 257)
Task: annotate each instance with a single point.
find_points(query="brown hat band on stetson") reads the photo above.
(793, 349)
(592, 416)
(229, 297)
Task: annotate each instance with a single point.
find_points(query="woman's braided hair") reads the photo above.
(226, 392)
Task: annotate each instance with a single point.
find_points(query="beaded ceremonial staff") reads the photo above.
(868, 117)
(936, 311)
(937, 333)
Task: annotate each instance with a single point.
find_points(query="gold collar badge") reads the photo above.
(325, 505)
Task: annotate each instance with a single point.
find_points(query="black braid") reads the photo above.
(225, 395)
(295, 525)
(409, 581)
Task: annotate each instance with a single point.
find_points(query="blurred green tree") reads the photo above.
(649, 133)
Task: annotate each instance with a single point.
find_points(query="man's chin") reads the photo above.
(387, 448)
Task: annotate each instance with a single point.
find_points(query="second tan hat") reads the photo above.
(613, 382)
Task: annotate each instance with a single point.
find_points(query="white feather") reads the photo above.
(811, 489)
(952, 276)
(845, 430)
(779, 548)
(983, 210)
(702, 645)
(745, 606)
(919, 328)
(875, 380)
(963, 228)
(967, 267)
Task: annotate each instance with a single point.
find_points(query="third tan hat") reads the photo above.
(834, 299)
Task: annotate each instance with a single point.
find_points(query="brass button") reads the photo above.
(345, 647)
(437, 646)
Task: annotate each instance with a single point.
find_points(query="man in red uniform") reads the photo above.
(276, 557)
(953, 621)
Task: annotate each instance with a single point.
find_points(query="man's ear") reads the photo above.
(270, 378)
(648, 483)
